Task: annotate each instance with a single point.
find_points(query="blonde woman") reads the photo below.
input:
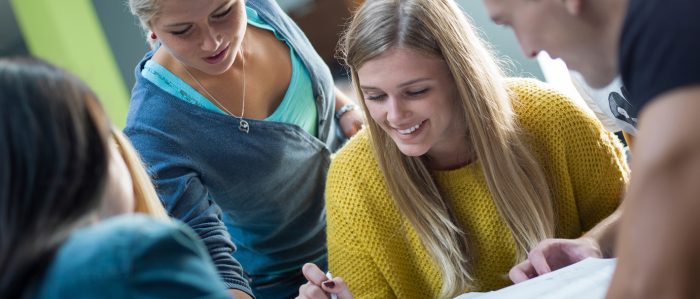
(236, 117)
(461, 171)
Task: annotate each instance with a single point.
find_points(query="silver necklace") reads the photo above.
(243, 125)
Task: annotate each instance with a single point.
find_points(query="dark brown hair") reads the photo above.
(53, 166)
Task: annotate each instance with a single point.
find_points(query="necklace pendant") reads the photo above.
(243, 126)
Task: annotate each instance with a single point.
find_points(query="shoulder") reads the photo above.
(268, 8)
(550, 119)
(658, 48)
(355, 175)
(356, 156)
(99, 259)
(537, 104)
(120, 238)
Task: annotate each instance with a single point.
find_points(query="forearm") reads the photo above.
(341, 99)
(658, 244)
(605, 232)
(186, 198)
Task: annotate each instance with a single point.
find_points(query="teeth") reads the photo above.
(410, 130)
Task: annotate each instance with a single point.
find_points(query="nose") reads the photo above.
(211, 40)
(527, 51)
(396, 110)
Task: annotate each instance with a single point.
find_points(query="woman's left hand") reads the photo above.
(351, 122)
(320, 287)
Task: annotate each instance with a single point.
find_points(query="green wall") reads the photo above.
(68, 33)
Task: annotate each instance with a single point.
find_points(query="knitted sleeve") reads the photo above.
(579, 155)
(347, 224)
(597, 169)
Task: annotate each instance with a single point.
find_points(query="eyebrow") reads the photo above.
(400, 85)
(215, 11)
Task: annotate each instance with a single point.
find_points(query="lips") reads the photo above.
(411, 129)
(216, 58)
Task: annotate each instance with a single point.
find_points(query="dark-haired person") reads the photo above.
(63, 187)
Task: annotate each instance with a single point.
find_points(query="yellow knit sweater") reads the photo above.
(377, 251)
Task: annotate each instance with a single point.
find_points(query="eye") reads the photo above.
(417, 92)
(373, 97)
(223, 14)
(182, 32)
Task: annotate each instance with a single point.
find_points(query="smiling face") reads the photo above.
(413, 98)
(560, 28)
(203, 34)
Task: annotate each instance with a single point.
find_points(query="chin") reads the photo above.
(595, 77)
(412, 150)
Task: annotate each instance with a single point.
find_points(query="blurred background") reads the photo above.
(101, 42)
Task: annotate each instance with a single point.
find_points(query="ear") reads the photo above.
(573, 7)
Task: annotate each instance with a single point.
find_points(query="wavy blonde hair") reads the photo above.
(515, 179)
(145, 196)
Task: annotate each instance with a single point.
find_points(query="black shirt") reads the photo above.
(659, 48)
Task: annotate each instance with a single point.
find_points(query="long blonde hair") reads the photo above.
(515, 179)
(145, 196)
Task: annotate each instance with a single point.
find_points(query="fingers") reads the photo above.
(538, 260)
(337, 286)
(313, 274)
(311, 291)
(319, 286)
(549, 255)
(522, 272)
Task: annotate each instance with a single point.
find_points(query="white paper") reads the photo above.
(587, 279)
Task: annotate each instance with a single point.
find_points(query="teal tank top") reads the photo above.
(298, 106)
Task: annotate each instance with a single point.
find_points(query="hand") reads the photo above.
(351, 122)
(552, 254)
(319, 286)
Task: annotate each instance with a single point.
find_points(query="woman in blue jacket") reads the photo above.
(235, 114)
(62, 185)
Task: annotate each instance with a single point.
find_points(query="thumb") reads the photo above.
(313, 274)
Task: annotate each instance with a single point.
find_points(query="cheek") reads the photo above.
(375, 111)
(178, 47)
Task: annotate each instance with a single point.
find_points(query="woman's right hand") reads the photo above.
(319, 286)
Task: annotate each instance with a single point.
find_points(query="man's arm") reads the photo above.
(605, 232)
(659, 242)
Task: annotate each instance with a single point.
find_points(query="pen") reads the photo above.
(330, 276)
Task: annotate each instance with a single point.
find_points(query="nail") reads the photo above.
(329, 284)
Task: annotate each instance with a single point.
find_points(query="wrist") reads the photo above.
(344, 109)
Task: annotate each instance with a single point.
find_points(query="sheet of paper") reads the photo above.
(587, 279)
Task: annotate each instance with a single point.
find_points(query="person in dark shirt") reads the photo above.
(653, 45)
